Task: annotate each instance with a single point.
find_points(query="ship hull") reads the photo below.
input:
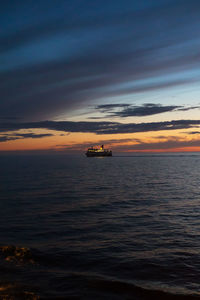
(98, 154)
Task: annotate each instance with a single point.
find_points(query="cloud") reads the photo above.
(129, 110)
(188, 108)
(146, 109)
(110, 107)
(6, 138)
(55, 64)
(32, 135)
(54, 88)
(17, 136)
(193, 132)
(101, 127)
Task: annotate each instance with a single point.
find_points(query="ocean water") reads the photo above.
(100, 228)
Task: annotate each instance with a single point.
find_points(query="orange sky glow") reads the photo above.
(126, 77)
(164, 141)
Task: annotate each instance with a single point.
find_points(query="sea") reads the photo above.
(121, 227)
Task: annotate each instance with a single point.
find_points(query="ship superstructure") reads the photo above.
(96, 152)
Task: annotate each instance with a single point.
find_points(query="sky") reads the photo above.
(88, 72)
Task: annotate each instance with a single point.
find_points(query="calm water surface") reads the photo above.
(100, 228)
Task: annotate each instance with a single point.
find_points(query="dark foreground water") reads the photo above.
(100, 228)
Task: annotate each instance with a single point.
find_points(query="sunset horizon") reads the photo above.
(78, 75)
(100, 149)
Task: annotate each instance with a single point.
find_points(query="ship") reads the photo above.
(98, 152)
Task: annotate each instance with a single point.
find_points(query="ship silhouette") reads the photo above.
(98, 152)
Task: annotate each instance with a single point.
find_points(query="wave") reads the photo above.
(81, 284)
(128, 289)
(91, 287)
(101, 287)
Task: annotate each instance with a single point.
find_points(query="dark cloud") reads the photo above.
(6, 138)
(66, 126)
(74, 22)
(32, 135)
(147, 109)
(44, 91)
(188, 108)
(65, 134)
(193, 132)
(91, 51)
(17, 136)
(101, 127)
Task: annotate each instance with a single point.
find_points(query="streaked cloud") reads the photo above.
(105, 59)
(193, 132)
(128, 110)
(101, 127)
(19, 136)
(76, 55)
